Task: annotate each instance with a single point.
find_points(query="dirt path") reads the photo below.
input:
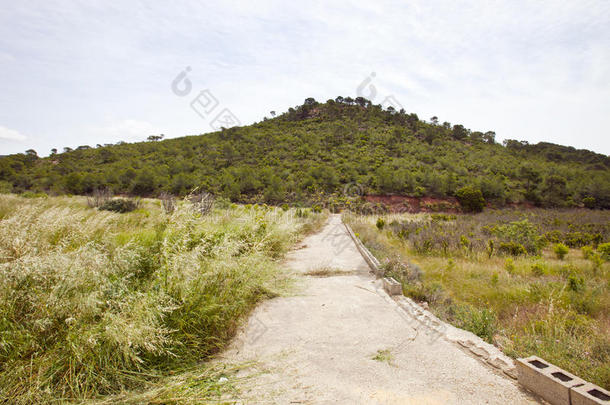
(342, 340)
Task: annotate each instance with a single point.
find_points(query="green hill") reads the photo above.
(316, 149)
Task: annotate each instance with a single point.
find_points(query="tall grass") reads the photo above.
(526, 304)
(94, 303)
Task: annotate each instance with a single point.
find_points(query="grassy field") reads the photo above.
(96, 304)
(531, 282)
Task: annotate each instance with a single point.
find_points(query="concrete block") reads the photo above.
(546, 380)
(391, 286)
(589, 394)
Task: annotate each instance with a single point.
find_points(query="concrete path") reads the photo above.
(341, 340)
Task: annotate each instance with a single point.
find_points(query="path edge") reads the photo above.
(369, 258)
(468, 341)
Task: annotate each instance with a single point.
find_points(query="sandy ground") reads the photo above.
(342, 340)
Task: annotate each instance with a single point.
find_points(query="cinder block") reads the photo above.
(546, 380)
(589, 394)
(392, 286)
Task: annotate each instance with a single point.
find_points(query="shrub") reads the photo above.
(443, 217)
(405, 272)
(575, 283)
(465, 242)
(604, 251)
(554, 236)
(522, 233)
(578, 239)
(5, 187)
(380, 223)
(538, 269)
(560, 250)
(471, 199)
(490, 248)
(587, 252)
(482, 322)
(597, 261)
(509, 265)
(512, 248)
(589, 202)
(120, 205)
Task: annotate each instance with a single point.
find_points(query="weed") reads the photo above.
(481, 322)
(384, 356)
(555, 309)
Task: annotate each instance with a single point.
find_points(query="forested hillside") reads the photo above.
(318, 148)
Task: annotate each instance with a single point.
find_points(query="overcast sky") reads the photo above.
(93, 72)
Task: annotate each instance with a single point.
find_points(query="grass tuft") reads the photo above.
(95, 303)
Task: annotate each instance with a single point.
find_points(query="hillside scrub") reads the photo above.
(525, 299)
(95, 302)
(342, 145)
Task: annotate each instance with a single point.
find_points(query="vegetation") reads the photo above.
(120, 205)
(318, 149)
(505, 275)
(96, 303)
(560, 250)
(471, 199)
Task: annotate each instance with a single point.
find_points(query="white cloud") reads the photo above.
(125, 130)
(529, 70)
(11, 134)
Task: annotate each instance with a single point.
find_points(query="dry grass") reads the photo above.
(531, 304)
(95, 303)
(328, 272)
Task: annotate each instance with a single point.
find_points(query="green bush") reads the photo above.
(482, 322)
(512, 248)
(575, 283)
(589, 202)
(5, 187)
(587, 252)
(509, 265)
(465, 242)
(560, 250)
(120, 205)
(471, 199)
(380, 223)
(443, 217)
(604, 251)
(522, 233)
(538, 269)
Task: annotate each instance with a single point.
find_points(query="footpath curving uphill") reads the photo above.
(342, 339)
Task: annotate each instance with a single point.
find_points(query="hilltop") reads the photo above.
(316, 149)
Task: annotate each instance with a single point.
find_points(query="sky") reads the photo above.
(94, 72)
